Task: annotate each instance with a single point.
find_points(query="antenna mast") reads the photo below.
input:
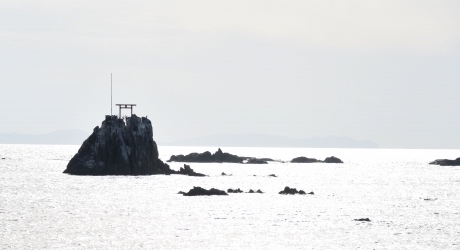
(111, 94)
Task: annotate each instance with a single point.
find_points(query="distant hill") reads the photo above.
(62, 137)
(262, 140)
(77, 137)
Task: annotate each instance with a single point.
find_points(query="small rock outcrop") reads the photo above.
(332, 159)
(186, 170)
(288, 190)
(198, 191)
(117, 148)
(241, 191)
(255, 192)
(363, 219)
(446, 162)
(256, 161)
(234, 190)
(303, 159)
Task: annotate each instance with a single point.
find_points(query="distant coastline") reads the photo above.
(61, 137)
(263, 140)
(77, 137)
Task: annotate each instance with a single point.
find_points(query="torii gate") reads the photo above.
(125, 106)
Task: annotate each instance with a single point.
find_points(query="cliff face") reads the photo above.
(117, 148)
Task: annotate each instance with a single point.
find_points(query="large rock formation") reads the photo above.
(446, 162)
(117, 148)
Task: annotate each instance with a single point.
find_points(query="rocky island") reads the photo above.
(119, 148)
(218, 157)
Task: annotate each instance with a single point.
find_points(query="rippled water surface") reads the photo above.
(412, 205)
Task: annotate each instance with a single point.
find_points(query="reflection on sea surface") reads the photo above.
(410, 204)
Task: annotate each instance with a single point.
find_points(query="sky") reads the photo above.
(386, 71)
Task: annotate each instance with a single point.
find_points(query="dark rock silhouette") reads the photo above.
(303, 159)
(446, 162)
(363, 219)
(241, 191)
(288, 190)
(256, 161)
(197, 191)
(117, 148)
(234, 190)
(332, 159)
(186, 170)
(218, 157)
(266, 159)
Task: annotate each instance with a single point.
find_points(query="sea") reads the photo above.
(410, 204)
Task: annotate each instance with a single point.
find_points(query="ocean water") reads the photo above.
(411, 204)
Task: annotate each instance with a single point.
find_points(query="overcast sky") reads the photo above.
(387, 71)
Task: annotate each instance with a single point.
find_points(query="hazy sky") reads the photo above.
(387, 71)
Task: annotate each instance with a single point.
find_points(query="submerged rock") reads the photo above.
(446, 162)
(197, 191)
(117, 148)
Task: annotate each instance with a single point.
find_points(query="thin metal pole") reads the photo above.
(111, 113)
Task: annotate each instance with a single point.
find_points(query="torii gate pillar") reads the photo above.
(125, 106)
